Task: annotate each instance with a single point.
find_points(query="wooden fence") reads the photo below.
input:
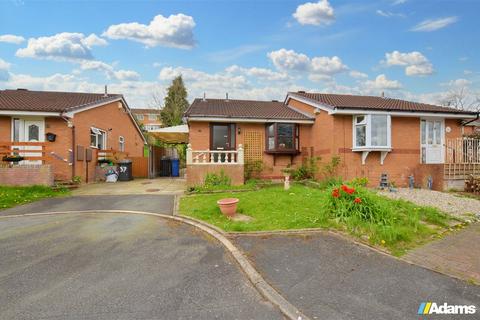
(462, 158)
(31, 151)
(139, 167)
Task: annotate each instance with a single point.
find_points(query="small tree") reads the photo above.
(462, 98)
(175, 103)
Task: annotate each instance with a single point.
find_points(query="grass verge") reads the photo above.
(14, 196)
(403, 225)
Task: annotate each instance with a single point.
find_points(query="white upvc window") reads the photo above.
(372, 132)
(121, 144)
(139, 117)
(98, 138)
(152, 116)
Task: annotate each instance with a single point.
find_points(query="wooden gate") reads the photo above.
(139, 167)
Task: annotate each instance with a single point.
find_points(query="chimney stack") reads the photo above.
(383, 94)
(204, 97)
(226, 96)
(106, 92)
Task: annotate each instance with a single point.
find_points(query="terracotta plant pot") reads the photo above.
(228, 206)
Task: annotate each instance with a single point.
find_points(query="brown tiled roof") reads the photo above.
(145, 111)
(343, 101)
(246, 109)
(49, 101)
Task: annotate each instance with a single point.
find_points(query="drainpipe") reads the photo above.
(465, 123)
(72, 127)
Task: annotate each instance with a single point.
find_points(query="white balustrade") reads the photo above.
(220, 157)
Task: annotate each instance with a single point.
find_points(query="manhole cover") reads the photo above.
(147, 182)
(152, 190)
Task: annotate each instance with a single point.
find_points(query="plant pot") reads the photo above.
(228, 206)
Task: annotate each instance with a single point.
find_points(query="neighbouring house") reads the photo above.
(64, 133)
(148, 118)
(370, 135)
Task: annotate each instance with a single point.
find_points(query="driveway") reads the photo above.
(118, 266)
(148, 203)
(328, 277)
(156, 186)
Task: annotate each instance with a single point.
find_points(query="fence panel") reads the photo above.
(139, 167)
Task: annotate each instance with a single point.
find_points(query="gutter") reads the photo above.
(465, 123)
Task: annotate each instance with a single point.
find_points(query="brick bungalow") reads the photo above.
(66, 130)
(371, 135)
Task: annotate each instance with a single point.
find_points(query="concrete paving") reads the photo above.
(137, 186)
(457, 254)
(148, 203)
(119, 266)
(328, 277)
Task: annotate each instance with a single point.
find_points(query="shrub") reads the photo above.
(252, 169)
(213, 179)
(329, 169)
(360, 182)
(346, 203)
(307, 170)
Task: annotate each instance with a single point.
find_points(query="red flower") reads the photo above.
(335, 193)
(346, 189)
(357, 200)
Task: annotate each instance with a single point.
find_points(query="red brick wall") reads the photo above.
(109, 116)
(24, 175)
(60, 148)
(196, 173)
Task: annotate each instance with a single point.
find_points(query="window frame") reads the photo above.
(101, 133)
(276, 149)
(139, 117)
(368, 133)
(121, 143)
(231, 132)
(152, 117)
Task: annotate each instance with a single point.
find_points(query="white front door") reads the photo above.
(432, 135)
(31, 130)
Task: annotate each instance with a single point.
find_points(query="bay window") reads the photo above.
(282, 138)
(371, 131)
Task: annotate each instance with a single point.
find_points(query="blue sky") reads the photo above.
(419, 50)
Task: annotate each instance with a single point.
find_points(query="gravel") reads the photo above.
(461, 207)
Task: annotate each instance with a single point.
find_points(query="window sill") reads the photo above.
(370, 149)
(294, 152)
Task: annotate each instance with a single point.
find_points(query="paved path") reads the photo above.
(136, 186)
(327, 277)
(149, 203)
(457, 254)
(119, 266)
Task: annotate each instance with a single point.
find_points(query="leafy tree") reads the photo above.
(175, 103)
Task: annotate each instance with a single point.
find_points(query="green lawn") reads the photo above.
(401, 225)
(13, 196)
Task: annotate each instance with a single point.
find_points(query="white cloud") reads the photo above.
(397, 2)
(328, 66)
(284, 59)
(4, 70)
(458, 83)
(381, 82)
(109, 71)
(389, 14)
(415, 63)
(319, 13)
(127, 75)
(358, 75)
(318, 68)
(434, 24)
(63, 46)
(11, 38)
(260, 73)
(175, 31)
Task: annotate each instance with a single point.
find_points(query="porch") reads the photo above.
(203, 162)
